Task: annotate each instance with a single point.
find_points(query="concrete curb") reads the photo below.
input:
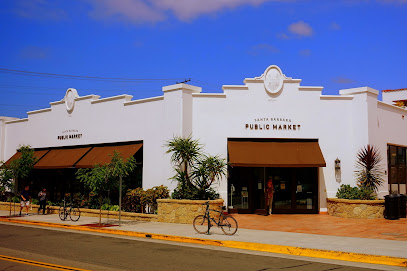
(290, 250)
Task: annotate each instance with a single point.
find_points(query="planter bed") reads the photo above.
(347, 208)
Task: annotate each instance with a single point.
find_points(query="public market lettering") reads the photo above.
(70, 134)
(272, 119)
(73, 136)
(286, 127)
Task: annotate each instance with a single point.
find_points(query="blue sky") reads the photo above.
(335, 44)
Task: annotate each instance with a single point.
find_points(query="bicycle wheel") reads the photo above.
(74, 213)
(201, 224)
(61, 213)
(228, 225)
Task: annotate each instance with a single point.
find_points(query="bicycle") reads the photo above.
(202, 223)
(73, 212)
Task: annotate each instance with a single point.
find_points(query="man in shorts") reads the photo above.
(25, 199)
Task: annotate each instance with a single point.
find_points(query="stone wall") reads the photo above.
(355, 208)
(183, 211)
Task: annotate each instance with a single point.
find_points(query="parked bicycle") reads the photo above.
(203, 223)
(68, 209)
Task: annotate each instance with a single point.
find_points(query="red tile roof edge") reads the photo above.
(390, 90)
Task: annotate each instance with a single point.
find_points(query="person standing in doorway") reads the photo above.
(25, 199)
(269, 196)
(42, 195)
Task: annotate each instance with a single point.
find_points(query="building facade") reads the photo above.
(268, 127)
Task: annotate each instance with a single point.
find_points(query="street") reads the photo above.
(92, 252)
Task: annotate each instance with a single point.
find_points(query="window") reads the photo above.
(397, 168)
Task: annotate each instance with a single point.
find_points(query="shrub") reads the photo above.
(107, 206)
(136, 200)
(34, 201)
(369, 174)
(132, 202)
(196, 172)
(114, 208)
(361, 193)
(193, 193)
(50, 203)
(4, 196)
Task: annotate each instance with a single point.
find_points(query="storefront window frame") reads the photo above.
(397, 168)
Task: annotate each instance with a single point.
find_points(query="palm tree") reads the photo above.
(195, 171)
(206, 171)
(369, 174)
(184, 152)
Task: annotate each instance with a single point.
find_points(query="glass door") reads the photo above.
(240, 189)
(306, 189)
(282, 180)
(296, 190)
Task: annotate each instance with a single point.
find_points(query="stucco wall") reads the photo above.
(394, 95)
(341, 123)
(3, 136)
(116, 119)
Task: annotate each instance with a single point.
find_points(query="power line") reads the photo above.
(59, 90)
(81, 77)
(16, 105)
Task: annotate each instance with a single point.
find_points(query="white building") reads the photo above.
(270, 126)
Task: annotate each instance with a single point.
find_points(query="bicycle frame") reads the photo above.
(65, 209)
(207, 215)
(69, 209)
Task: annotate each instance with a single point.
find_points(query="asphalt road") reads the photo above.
(95, 252)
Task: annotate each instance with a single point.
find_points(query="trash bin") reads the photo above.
(391, 207)
(402, 206)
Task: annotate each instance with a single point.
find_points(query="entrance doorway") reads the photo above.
(296, 189)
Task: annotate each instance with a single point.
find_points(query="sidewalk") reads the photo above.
(320, 236)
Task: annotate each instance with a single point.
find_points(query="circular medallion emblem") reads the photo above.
(70, 96)
(273, 80)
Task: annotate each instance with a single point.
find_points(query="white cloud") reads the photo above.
(39, 10)
(189, 9)
(138, 11)
(305, 52)
(135, 11)
(393, 1)
(283, 36)
(343, 80)
(263, 48)
(34, 52)
(301, 29)
(335, 26)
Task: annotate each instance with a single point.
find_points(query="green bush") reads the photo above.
(114, 208)
(185, 192)
(196, 172)
(50, 203)
(107, 206)
(345, 191)
(3, 195)
(136, 200)
(34, 201)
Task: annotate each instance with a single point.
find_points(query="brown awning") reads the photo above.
(275, 154)
(37, 154)
(61, 158)
(103, 155)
